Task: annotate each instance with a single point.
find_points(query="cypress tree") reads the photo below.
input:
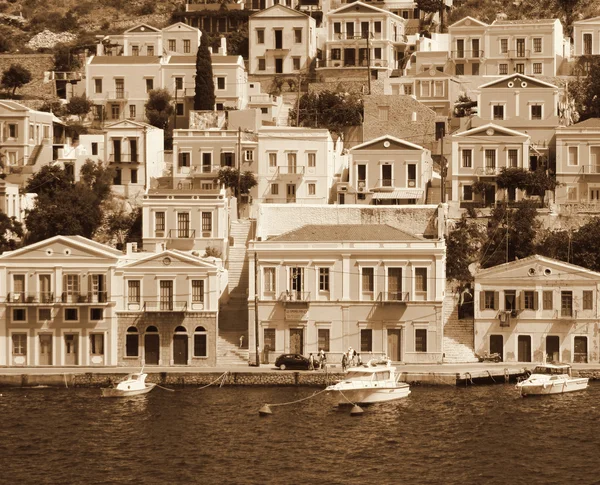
(204, 98)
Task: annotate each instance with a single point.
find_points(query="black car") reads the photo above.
(291, 361)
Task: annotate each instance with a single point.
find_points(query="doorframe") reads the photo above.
(546, 345)
(530, 348)
(401, 329)
(587, 347)
(77, 341)
(38, 349)
(187, 336)
(504, 340)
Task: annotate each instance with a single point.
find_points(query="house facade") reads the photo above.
(537, 310)
(372, 287)
(586, 37)
(282, 41)
(468, 46)
(387, 171)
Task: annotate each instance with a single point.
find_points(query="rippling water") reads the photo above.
(446, 435)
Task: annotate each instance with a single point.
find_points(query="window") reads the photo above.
(200, 342)
(312, 189)
(264, 111)
(227, 159)
(249, 155)
(513, 158)
(133, 291)
(19, 344)
(274, 189)
(269, 280)
(510, 300)
(132, 340)
(566, 303)
(13, 130)
(498, 112)
(296, 63)
(490, 300)
(179, 109)
(262, 64)
(135, 50)
(460, 70)
(149, 84)
(438, 88)
(366, 340)
(172, 45)
(298, 36)
(187, 46)
(184, 159)
(490, 159)
(323, 279)
(502, 69)
(96, 314)
(260, 36)
(588, 302)
(547, 300)
(97, 344)
(19, 315)
(323, 336)
(134, 175)
(220, 82)
(97, 86)
(536, 111)
(337, 27)
(537, 44)
(159, 221)
(197, 291)
(425, 89)
(94, 148)
(115, 112)
(503, 46)
(573, 155)
(467, 158)
(537, 68)
(408, 89)
(311, 160)
(178, 83)
(207, 222)
(132, 111)
(272, 159)
(467, 192)
(44, 314)
(421, 280)
(368, 281)
(384, 113)
(377, 27)
(421, 340)
(336, 54)
(529, 302)
(520, 68)
(475, 69)
(150, 50)
(71, 314)
(572, 193)
(377, 53)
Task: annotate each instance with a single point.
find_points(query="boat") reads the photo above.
(551, 379)
(370, 383)
(133, 385)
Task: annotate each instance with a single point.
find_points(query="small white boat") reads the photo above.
(133, 385)
(370, 383)
(551, 379)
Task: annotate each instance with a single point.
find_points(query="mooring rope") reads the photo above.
(491, 376)
(222, 376)
(165, 388)
(344, 396)
(316, 393)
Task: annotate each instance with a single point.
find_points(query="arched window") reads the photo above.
(151, 328)
(200, 342)
(132, 342)
(180, 329)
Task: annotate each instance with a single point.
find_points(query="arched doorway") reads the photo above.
(132, 342)
(151, 346)
(180, 346)
(200, 342)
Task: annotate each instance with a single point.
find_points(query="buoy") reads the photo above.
(356, 410)
(265, 410)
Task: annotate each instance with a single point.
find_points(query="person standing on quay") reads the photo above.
(311, 362)
(322, 359)
(241, 341)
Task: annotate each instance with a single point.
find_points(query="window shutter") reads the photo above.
(64, 288)
(521, 300)
(481, 300)
(496, 300)
(535, 300)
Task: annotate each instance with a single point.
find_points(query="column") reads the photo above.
(346, 276)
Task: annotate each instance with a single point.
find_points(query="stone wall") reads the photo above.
(37, 64)
(275, 219)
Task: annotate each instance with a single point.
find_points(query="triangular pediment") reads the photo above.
(179, 27)
(359, 7)
(169, 260)
(386, 142)
(62, 250)
(591, 20)
(125, 124)
(278, 10)
(468, 22)
(518, 81)
(142, 29)
(535, 269)
(491, 130)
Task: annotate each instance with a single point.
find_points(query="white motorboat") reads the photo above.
(370, 383)
(133, 385)
(551, 379)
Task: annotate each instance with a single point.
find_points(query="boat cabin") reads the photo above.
(552, 369)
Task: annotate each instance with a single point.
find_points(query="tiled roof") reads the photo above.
(182, 60)
(125, 60)
(524, 21)
(589, 123)
(346, 232)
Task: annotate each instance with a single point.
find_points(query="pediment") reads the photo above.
(491, 130)
(518, 81)
(591, 21)
(180, 27)
(142, 29)
(170, 260)
(388, 143)
(62, 250)
(468, 22)
(278, 10)
(358, 7)
(124, 124)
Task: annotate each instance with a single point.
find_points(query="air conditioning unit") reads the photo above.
(206, 234)
(411, 183)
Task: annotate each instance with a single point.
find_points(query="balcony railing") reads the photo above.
(517, 54)
(30, 298)
(165, 306)
(489, 171)
(124, 158)
(90, 297)
(591, 169)
(386, 183)
(290, 297)
(199, 169)
(467, 54)
(182, 233)
(393, 296)
(117, 95)
(352, 63)
(290, 170)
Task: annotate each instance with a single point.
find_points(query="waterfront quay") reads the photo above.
(266, 375)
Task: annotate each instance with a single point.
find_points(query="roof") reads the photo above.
(361, 8)
(592, 123)
(345, 232)
(399, 141)
(501, 129)
(524, 22)
(399, 194)
(125, 60)
(515, 75)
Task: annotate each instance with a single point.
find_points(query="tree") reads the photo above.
(585, 245)
(462, 246)
(15, 77)
(585, 90)
(204, 98)
(568, 7)
(10, 231)
(64, 59)
(463, 106)
(430, 6)
(79, 106)
(230, 178)
(121, 225)
(159, 108)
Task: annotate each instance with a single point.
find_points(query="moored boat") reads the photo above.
(370, 383)
(133, 385)
(551, 379)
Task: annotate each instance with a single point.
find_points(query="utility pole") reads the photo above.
(369, 62)
(239, 164)
(298, 102)
(175, 114)
(256, 308)
(443, 171)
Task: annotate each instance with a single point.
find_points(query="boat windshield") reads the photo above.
(550, 370)
(359, 376)
(382, 376)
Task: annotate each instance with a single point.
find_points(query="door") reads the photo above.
(116, 150)
(151, 348)
(587, 44)
(490, 195)
(524, 344)
(71, 349)
(460, 48)
(180, 349)
(133, 150)
(206, 162)
(595, 159)
(341, 198)
(394, 347)
(166, 295)
(497, 345)
(349, 57)
(278, 65)
(580, 350)
(552, 348)
(394, 284)
(279, 39)
(386, 176)
(296, 341)
(45, 349)
(120, 88)
(520, 47)
(290, 193)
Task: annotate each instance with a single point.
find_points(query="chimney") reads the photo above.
(131, 248)
(223, 48)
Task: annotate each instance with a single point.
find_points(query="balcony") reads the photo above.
(204, 169)
(91, 297)
(517, 54)
(295, 298)
(487, 171)
(351, 63)
(590, 169)
(165, 306)
(21, 298)
(181, 234)
(117, 95)
(124, 158)
(467, 54)
(393, 297)
(290, 171)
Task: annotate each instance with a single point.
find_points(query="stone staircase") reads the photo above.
(458, 334)
(228, 351)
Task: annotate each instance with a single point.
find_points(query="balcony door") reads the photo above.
(297, 283)
(116, 150)
(460, 48)
(395, 284)
(45, 288)
(386, 176)
(595, 159)
(183, 225)
(520, 47)
(206, 162)
(587, 44)
(279, 39)
(166, 295)
(97, 288)
(133, 150)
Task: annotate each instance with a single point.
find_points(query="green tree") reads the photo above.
(204, 98)
(79, 106)
(230, 178)
(14, 77)
(11, 231)
(159, 108)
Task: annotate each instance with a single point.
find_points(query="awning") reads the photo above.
(399, 194)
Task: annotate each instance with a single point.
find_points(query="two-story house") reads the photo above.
(537, 309)
(387, 171)
(282, 41)
(360, 35)
(369, 286)
(467, 46)
(586, 37)
(478, 155)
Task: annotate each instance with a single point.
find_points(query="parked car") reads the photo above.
(291, 361)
